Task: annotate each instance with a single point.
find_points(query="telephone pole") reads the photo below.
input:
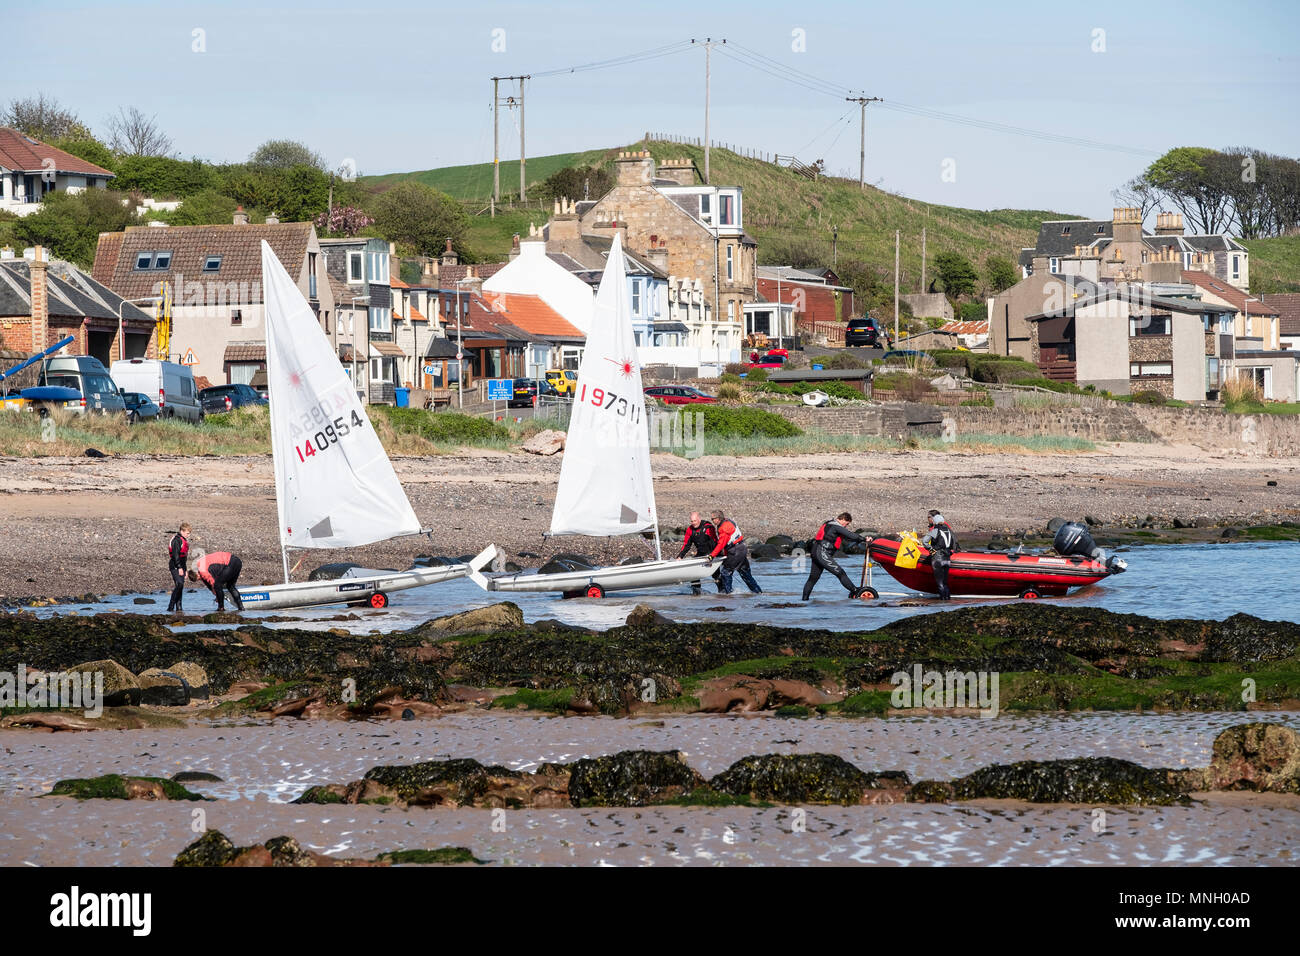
(862, 148)
(896, 288)
(922, 259)
(496, 137)
(708, 45)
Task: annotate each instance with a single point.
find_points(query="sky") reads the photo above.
(399, 86)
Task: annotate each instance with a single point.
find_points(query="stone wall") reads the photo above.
(1151, 348)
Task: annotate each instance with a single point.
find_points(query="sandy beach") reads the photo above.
(79, 525)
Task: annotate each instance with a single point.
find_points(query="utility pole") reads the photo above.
(923, 259)
(862, 148)
(496, 143)
(708, 45)
(895, 288)
(835, 240)
(522, 195)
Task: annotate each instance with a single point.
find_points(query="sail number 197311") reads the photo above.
(327, 436)
(605, 399)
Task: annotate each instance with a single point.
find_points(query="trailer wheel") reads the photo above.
(595, 591)
(379, 600)
(1030, 594)
(868, 594)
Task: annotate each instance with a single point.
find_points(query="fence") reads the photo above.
(810, 171)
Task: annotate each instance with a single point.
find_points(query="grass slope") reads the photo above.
(1274, 264)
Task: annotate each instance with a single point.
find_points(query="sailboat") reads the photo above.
(334, 484)
(605, 486)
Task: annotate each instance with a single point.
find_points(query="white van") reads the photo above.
(167, 383)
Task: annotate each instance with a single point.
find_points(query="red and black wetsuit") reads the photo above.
(220, 571)
(703, 537)
(824, 545)
(942, 543)
(178, 555)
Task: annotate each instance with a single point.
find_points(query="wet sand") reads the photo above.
(76, 526)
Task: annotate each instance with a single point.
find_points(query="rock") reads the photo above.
(741, 693)
(1230, 533)
(95, 453)
(930, 791)
(632, 778)
(782, 541)
(803, 778)
(117, 787)
(1054, 525)
(764, 552)
(144, 600)
(1092, 521)
(160, 688)
(1182, 523)
(643, 615)
(1271, 484)
(449, 783)
(1257, 756)
(1106, 780)
(195, 677)
(505, 616)
(195, 776)
(1202, 521)
(443, 856)
(548, 442)
(121, 689)
(214, 848)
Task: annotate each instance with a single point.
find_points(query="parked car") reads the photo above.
(139, 408)
(226, 398)
(526, 392)
(679, 395)
(866, 332)
(563, 380)
(169, 385)
(87, 375)
(770, 360)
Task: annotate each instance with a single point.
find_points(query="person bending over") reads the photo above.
(220, 572)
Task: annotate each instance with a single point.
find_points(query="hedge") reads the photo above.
(720, 422)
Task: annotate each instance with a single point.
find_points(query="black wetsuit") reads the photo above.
(178, 555)
(224, 578)
(825, 542)
(942, 543)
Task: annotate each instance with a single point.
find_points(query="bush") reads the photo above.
(730, 378)
(844, 360)
(972, 312)
(730, 392)
(1147, 397)
(1004, 370)
(733, 368)
(756, 375)
(445, 427)
(720, 422)
(834, 389)
(952, 358)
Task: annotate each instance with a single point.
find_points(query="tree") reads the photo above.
(285, 154)
(162, 177)
(419, 217)
(1192, 179)
(801, 253)
(205, 208)
(44, 118)
(956, 273)
(69, 224)
(343, 221)
(89, 149)
(1000, 273)
(131, 133)
(1138, 194)
(577, 182)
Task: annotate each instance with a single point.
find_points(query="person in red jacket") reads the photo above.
(178, 556)
(702, 536)
(731, 543)
(220, 572)
(824, 545)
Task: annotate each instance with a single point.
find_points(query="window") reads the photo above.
(706, 211)
(636, 296)
(731, 310)
(726, 210)
(153, 260)
(1150, 369)
(1149, 325)
(355, 271)
(143, 260)
(212, 264)
(1101, 230)
(162, 260)
(1065, 230)
(1053, 265)
(236, 317)
(731, 256)
(1236, 267)
(1187, 260)
(381, 320)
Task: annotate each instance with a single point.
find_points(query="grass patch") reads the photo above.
(864, 704)
(1036, 444)
(833, 389)
(556, 701)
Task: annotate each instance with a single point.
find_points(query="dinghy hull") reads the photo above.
(346, 590)
(622, 577)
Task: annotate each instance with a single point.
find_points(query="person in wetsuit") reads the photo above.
(941, 542)
(824, 545)
(703, 537)
(220, 572)
(178, 556)
(731, 543)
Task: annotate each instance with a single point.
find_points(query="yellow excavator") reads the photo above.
(163, 314)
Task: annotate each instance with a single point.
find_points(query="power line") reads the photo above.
(667, 50)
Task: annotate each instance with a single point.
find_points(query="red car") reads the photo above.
(678, 395)
(774, 359)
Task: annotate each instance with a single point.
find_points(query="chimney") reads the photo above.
(657, 254)
(635, 168)
(241, 217)
(563, 226)
(1169, 224)
(273, 220)
(680, 171)
(473, 282)
(40, 300)
(514, 247)
(1127, 225)
(449, 257)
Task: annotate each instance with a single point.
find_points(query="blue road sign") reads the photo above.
(501, 389)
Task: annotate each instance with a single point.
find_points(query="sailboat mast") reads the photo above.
(284, 556)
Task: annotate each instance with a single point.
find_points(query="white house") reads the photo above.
(29, 169)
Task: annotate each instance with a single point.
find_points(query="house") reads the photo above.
(818, 298)
(44, 300)
(1123, 339)
(1254, 350)
(358, 277)
(533, 272)
(694, 231)
(552, 341)
(1287, 305)
(213, 275)
(29, 169)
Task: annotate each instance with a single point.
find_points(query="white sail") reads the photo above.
(334, 484)
(605, 487)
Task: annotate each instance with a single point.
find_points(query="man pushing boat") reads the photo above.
(824, 544)
(220, 572)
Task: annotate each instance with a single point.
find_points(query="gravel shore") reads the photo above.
(81, 525)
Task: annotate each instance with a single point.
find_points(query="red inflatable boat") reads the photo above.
(992, 573)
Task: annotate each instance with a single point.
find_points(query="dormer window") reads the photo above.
(1101, 230)
(153, 260)
(1065, 231)
(212, 264)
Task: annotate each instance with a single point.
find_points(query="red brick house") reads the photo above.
(817, 295)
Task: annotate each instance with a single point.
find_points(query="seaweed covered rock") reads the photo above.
(1107, 780)
(121, 688)
(442, 856)
(1243, 639)
(160, 688)
(930, 791)
(114, 786)
(195, 677)
(505, 616)
(804, 778)
(1256, 756)
(644, 616)
(214, 848)
(631, 778)
(454, 783)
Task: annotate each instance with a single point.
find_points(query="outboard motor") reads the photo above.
(1073, 538)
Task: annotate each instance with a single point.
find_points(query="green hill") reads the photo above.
(1274, 264)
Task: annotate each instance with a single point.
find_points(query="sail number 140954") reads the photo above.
(329, 435)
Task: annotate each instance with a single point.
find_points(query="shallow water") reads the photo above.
(265, 766)
(1195, 580)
